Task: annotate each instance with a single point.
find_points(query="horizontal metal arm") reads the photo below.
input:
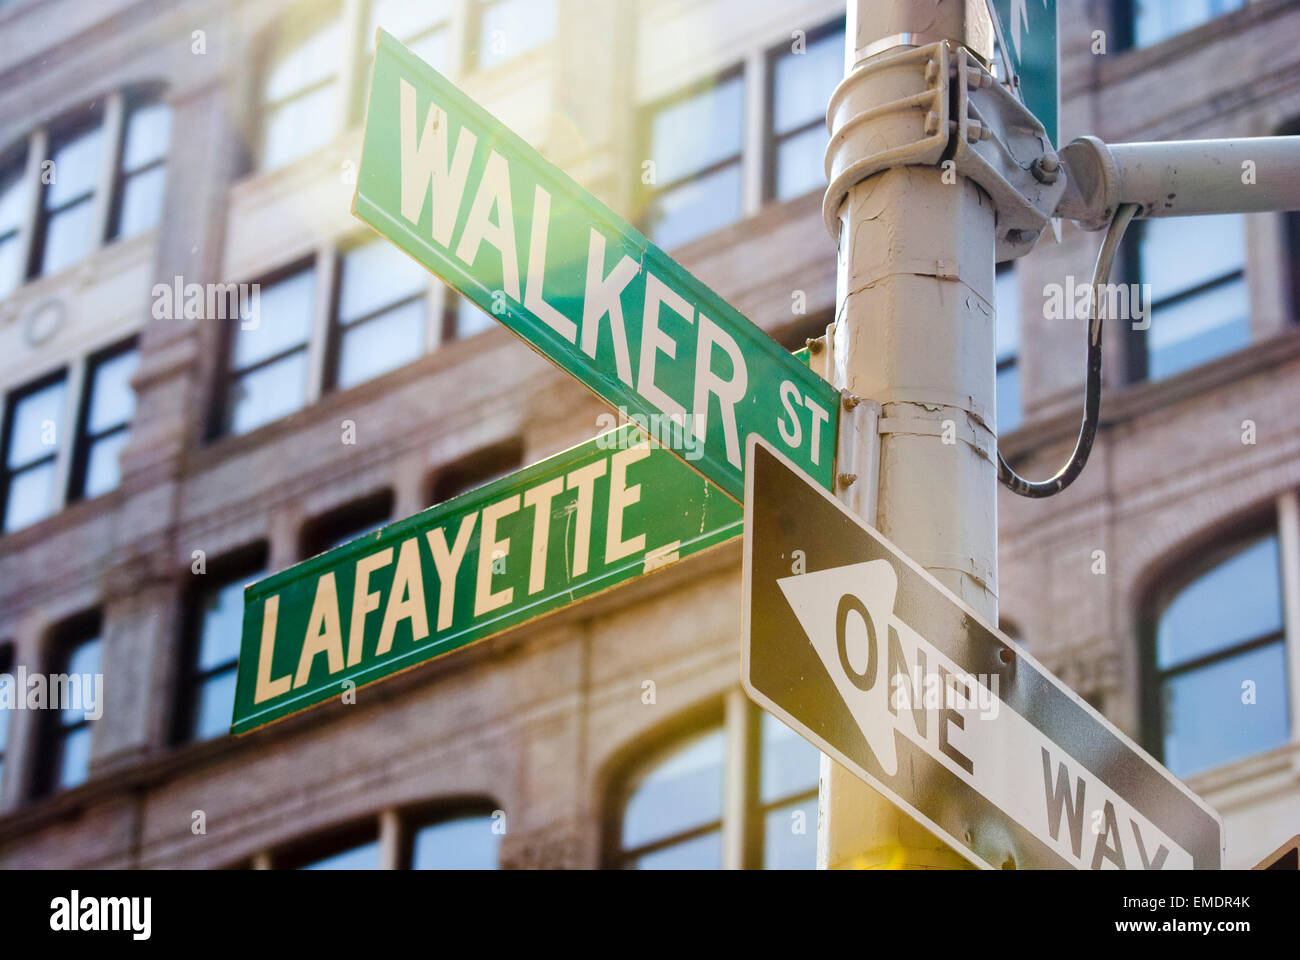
(1181, 178)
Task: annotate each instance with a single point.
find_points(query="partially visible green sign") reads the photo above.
(1029, 35)
(599, 514)
(475, 204)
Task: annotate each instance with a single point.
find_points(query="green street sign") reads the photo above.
(476, 205)
(1028, 36)
(597, 515)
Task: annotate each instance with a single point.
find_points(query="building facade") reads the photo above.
(161, 450)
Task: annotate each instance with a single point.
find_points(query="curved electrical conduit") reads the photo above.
(1092, 399)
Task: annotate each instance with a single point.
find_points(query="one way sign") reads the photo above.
(871, 659)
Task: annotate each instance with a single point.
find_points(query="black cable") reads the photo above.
(1092, 398)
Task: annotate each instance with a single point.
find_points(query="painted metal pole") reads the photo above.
(1180, 178)
(914, 331)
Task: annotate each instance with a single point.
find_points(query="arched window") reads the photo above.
(673, 818)
(1218, 662)
(463, 841)
(684, 799)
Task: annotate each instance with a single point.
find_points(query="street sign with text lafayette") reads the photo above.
(475, 204)
(871, 659)
(590, 518)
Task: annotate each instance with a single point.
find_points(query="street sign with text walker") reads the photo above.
(472, 202)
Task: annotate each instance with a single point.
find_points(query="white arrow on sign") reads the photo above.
(894, 681)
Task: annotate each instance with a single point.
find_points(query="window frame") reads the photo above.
(12, 400)
(310, 18)
(337, 327)
(362, 59)
(646, 113)
(1137, 343)
(326, 526)
(242, 565)
(1153, 678)
(16, 158)
(666, 746)
(64, 641)
(1124, 21)
(70, 127)
(741, 723)
(221, 407)
(771, 139)
(475, 10)
(302, 852)
(475, 469)
(414, 819)
(450, 326)
(83, 441)
(133, 100)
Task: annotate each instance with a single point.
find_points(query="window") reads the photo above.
(142, 167)
(478, 469)
(789, 772)
(1151, 21)
(462, 318)
(381, 313)
(6, 667)
(300, 91)
(32, 425)
(354, 848)
(213, 628)
(673, 816)
(268, 357)
(673, 820)
(470, 841)
(1009, 408)
(425, 27)
(696, 141)
(506, 29)
(801, 80)
(462, 837)
(1192, 271)
(346, 523)
(104, 424)
(71, 216)
(64, 760)
(65, 225)
(13, 203)
(1221, 630)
